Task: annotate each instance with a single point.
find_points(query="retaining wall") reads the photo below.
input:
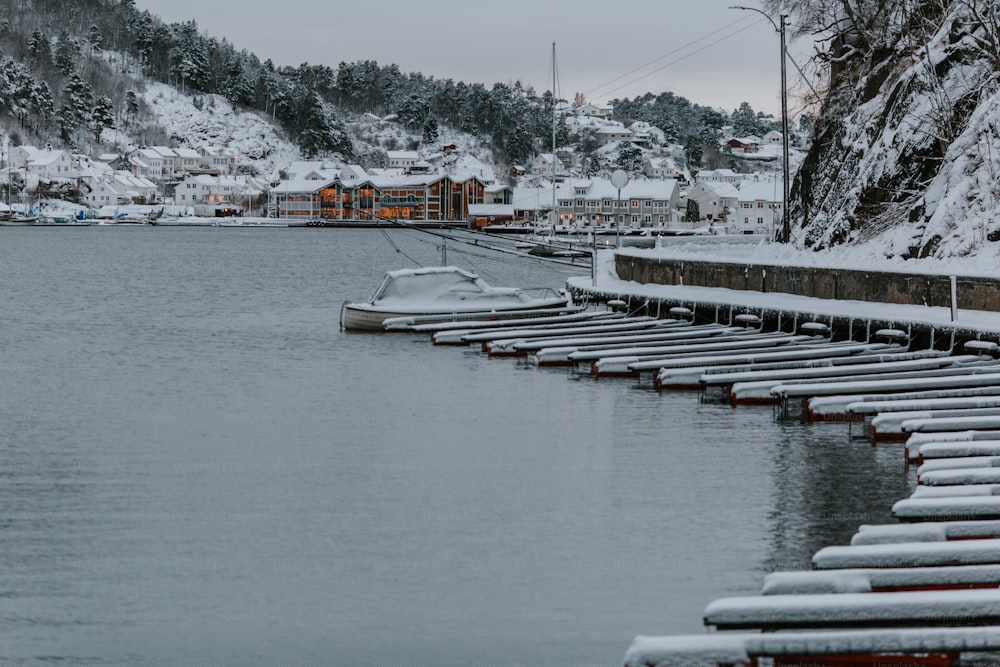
(975, 293)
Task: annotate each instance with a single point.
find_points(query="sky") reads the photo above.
(705, 51)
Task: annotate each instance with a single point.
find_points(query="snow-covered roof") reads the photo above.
(491, 209)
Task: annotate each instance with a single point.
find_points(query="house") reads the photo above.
(169, 157)
(206, 189)
(47, 163)
(549, 166)
(355, 195)
(402, 159)
(719, 176)
(743, 145)
(602, 111)
(759, 207)
(147, 163)
(661, 167)
(186, 161)
(598, 203)
(716, 200)
(609, 133)
(773, 137)
(647, 134)
(133, 189)
(216, 162)
(103, 193)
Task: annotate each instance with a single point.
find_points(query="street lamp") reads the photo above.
(786, 231)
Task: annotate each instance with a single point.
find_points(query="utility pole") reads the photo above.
(786, 230)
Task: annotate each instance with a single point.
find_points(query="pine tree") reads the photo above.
(75, 111)
(101, 117)
(629, 158)
(430, 133)
(67, 54)
(94, 38)
(314, 133)
(40, 48)
(131, 106)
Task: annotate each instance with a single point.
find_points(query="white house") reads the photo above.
(717, 200)
(402, 159)
(205, 189)
(135, 189)
(609, 133)
(645, 133)
(187, 160)
(595, 111)
(169, 158)
(661, 168)
(598, 203)
(216, 161)
(103, 193)
(48, 162)
(759, 207)
(147, 163)
(719, 176)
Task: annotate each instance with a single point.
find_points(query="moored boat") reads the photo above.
(442, 293)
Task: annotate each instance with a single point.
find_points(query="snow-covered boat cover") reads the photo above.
(910, 608)
(952, 508)
(909, 554)
(925, 531)
(740, 648)
(865, 580)
(438, 288)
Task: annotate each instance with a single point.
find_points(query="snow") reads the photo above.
(863, 580)
(890, 406)
(952, 423)
(915, 554)
(951, 607)
(927, 450)
(738, 648)
(963, 476)
(953, 508)
(930, 531)
(899, 422)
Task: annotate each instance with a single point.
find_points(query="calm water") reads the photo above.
(197, 466)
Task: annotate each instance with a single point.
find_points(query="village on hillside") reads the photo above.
(439, 183)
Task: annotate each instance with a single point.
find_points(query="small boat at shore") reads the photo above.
(443, 293)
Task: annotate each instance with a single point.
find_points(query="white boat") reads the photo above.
(443, 293)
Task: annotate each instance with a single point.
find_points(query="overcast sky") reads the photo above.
(699, 49)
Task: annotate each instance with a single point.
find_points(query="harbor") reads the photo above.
(918, 589)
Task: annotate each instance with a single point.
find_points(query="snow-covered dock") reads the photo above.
(938, 647)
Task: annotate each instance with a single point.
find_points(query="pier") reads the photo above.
(922, 366)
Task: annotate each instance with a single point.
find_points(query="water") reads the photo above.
(197, 466)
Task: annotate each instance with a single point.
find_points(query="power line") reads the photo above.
(679, 49)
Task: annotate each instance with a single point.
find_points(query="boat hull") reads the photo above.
(365, 317)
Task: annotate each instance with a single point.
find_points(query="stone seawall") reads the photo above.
(976, 293)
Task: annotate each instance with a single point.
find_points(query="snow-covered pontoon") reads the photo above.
(926, 647)
(444, 293)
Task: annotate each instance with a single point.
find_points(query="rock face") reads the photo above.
(906, 151)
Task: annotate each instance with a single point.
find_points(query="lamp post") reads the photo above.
(786, 231)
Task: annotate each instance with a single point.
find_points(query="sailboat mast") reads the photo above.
(555, 211)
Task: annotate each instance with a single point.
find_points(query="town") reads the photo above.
(434, 184)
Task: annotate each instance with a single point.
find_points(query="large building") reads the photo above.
(358, 196)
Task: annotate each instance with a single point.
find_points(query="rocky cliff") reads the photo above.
(906, 151)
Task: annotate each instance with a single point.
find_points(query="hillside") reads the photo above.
(906, 150)
(100, 75)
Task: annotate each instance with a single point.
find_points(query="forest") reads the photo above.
(70, 69)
